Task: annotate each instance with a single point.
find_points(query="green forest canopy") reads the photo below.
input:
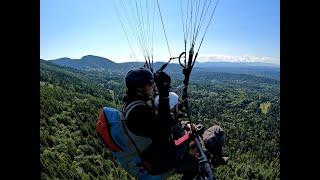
(246, 106)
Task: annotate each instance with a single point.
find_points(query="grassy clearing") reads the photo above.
(265, 107)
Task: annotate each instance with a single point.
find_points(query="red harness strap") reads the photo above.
(182, 139)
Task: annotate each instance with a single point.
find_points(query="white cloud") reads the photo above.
(205, 58)
(239, 58)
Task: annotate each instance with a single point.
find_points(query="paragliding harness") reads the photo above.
(192, 25)
(126, 147)
(205, 170)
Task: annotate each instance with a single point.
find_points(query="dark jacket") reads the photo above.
(144, 121)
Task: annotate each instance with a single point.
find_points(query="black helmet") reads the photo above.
(138, 78)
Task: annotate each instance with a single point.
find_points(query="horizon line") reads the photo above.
(201, 59)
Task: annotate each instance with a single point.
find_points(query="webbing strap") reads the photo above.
(126, 112)
(130, 106)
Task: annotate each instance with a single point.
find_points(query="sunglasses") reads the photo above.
(151, 82)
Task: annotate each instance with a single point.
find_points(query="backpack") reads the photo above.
(125, 146)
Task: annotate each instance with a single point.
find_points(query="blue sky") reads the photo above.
(241, 30)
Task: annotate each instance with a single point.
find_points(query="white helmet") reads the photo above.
(173, 100)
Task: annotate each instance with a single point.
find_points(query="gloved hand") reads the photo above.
(162, 81)
(199, 129)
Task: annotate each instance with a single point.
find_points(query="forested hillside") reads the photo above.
(246, 106)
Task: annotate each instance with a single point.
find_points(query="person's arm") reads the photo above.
(164, 118)
(163, 81)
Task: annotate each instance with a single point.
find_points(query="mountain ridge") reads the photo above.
(96, 63)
